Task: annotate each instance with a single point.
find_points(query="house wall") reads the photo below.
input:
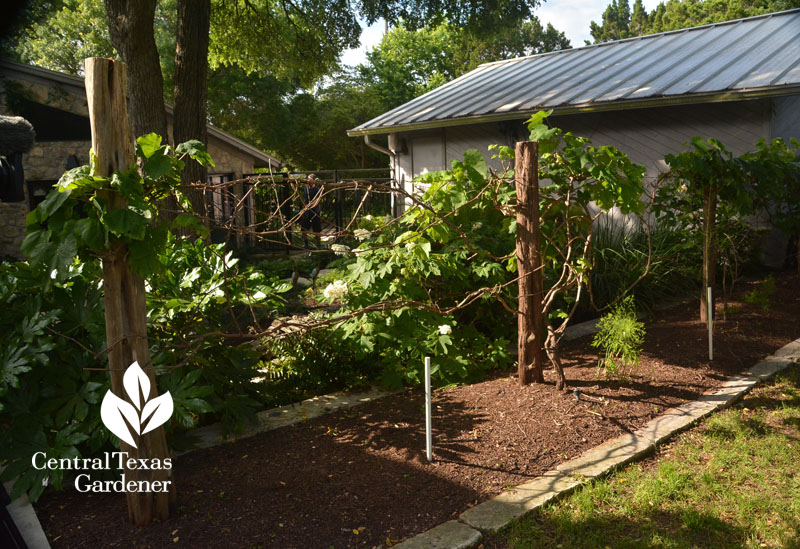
(786, 117)
(429, 151)
(646, 135)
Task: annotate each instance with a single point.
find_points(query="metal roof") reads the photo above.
(76, 86)
(753, 57)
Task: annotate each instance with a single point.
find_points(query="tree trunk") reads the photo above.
(191, 86)
(130, 24)
(554, 354)
(530, 336)
(123, 290)
(709, 249)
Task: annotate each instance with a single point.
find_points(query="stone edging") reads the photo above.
(496, 513)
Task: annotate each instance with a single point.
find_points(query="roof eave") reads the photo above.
(661, 101)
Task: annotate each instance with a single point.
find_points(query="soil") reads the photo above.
(360, 478)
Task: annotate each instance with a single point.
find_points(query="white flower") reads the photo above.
(337, 290)
(368, 217)
(362, 234)
(477, 225)
(358, 251)
(445, 329)
(340, 249)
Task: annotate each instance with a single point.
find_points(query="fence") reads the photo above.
(272, 199)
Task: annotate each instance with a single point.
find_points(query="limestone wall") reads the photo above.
(48, 159)
(12, 228)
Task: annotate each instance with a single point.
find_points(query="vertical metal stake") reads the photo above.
(428, 434)
(709, 317)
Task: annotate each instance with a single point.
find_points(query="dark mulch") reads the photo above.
(360, 479)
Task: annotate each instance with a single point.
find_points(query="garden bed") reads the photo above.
(359, 478)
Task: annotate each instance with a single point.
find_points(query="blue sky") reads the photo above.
(571, 16)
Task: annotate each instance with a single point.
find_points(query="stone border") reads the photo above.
(496, 513)
(26, 521)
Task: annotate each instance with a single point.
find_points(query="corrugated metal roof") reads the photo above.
(752, 57)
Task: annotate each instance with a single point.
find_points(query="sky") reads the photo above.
(570, 16)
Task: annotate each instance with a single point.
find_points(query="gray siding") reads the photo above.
(647, 135)
(786, 117)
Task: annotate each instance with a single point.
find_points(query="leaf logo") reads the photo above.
(118, 414)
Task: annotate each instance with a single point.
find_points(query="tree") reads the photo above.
(130, 25)
(618, 22)
(409, 62)
(191, 84)
(707, 187)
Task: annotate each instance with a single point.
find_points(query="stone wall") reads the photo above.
(227, 160)
(12, 228)
(48, 160)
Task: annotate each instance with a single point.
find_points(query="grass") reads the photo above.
(733, 481)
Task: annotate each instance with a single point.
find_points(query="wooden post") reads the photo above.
(124, 293)
(530, 337)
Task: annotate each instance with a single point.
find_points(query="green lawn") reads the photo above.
(733, 481)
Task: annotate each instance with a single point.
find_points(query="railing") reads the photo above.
(278, 192)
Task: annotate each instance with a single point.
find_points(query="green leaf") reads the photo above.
(196, 150)
(65, 252)
(91, 232)
(158, 165)
(37, 245)
(126, 223)
(190, 221)
(51, 204)
(149, 144)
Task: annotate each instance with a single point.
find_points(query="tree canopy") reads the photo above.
(408, 62)
(619, 21)
(274, 77)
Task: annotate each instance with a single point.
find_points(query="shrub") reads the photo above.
(313, 363)
(620, 336)
(421, 267)
(620, 259)
(761, 295)
(53, 367)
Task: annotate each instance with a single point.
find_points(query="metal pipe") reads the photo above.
(709, 317)
(392, 163)
(428, 433)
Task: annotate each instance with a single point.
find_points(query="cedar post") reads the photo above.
(530, 337)
(123, 290)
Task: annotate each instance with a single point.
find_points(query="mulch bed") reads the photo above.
(359, 478)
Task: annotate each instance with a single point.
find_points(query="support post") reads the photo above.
(428, 427)
(123, 290)
(710, 318)
(530, 323)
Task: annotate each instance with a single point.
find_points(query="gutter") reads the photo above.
(713, 97)
(375, 146)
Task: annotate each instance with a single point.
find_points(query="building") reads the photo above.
(737, 81)
(55, 104)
